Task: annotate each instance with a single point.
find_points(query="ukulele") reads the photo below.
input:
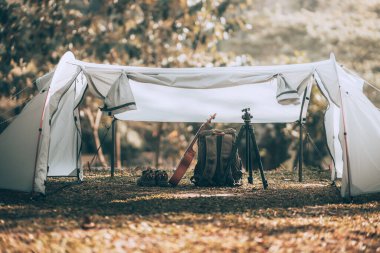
(188, 156)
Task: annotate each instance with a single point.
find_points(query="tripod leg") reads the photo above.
(248, 155)
(258, 157)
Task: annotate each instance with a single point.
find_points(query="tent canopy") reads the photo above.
(192, 94)
(274, 93)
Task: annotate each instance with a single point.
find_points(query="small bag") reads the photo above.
(213, 167)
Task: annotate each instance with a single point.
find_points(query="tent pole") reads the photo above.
(300, 154)
(77, 151)
(78, 132)
(300, 124)
(113, 148)
(332, 57)
(38, 144)
(345, 144)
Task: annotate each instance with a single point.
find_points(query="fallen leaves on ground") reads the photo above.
(288, 216)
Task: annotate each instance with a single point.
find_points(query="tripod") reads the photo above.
(249, 138)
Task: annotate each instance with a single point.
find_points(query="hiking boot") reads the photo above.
(148, 178)
(161, 178)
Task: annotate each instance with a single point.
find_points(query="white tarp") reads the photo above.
(290, 87)
(192, 94)
(168, 104)
(119, 97)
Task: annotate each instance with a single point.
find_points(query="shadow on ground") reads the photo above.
(102, 196)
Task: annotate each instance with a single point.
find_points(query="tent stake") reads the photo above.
(113, 148)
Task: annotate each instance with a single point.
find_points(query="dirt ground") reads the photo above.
(287, 217)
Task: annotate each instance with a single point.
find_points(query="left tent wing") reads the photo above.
(18, 147)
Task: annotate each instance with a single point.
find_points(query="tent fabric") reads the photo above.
(362, 119)
(211, 80)
(100, 82)
(64, 159)
(44, 81)
(332, 126)
(305, 107)
(190, 95)
(81, 86)
(332, 119)
(199, 78)
(64, 127)
(103, 76)
(286, 94)
(329, 79)
(166, 104)
(120, 97)
(290, 87)
(63, 75)
(18, 144)
(55, 99)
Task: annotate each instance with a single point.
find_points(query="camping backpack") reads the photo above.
(214, 152)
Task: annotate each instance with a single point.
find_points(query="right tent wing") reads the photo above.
(362, 120)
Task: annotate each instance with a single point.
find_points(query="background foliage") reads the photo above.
(164, 33)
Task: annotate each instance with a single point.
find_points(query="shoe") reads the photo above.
(161, 178)
(148, 178)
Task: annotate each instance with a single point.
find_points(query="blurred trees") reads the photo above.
(184, 33)
(161, 33)
(299, 31)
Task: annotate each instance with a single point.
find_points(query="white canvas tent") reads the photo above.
(44, 139)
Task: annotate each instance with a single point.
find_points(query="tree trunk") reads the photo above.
(94, 123)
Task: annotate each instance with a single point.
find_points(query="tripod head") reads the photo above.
(246, 115)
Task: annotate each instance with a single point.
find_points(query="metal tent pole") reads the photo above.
(77, 150)
(300, 124)
(300, 154)
(345, 144)
(345, 151)
(113, 148)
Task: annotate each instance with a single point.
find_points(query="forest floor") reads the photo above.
(287, 217)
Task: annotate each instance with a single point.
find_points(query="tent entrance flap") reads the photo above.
(63, 148)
